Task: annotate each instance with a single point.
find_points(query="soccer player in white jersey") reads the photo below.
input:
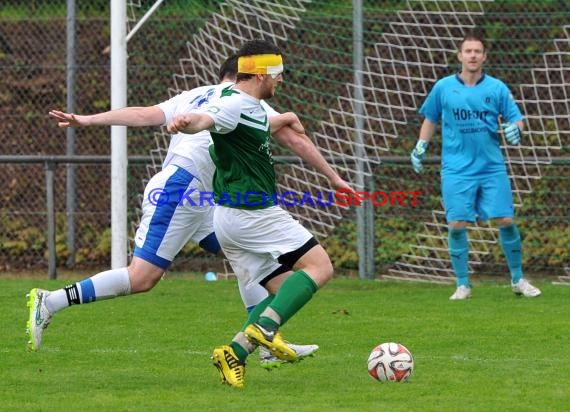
(474, 180)
(166, 226)
(261, 240)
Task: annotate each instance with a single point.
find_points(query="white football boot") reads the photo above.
(269, 361)
(39, 317)
(523, 287)
(461, 293)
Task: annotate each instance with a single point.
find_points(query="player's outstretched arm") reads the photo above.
(127, 116)
(190, 123)
(286, 119)
(302, 146)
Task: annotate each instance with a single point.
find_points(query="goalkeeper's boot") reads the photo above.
(523, 287)
(271, 340)
(461, 293)
(232, 371)
(268, 361)
(39, 317)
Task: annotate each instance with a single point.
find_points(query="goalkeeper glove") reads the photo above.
(512, 133)
(418, 155)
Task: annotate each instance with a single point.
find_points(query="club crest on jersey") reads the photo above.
(264, 148)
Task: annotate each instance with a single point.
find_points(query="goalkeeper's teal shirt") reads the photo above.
(469, 121)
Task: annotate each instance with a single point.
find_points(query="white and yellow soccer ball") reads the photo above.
(390, 362)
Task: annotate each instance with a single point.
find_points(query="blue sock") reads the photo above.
(459, 254)
(510, 239)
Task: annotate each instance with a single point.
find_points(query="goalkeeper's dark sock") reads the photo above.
(459, 255)
(510, 239)
(293, 294)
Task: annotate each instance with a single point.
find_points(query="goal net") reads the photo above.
(408, 46)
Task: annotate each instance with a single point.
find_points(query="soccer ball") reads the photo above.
(390, 362)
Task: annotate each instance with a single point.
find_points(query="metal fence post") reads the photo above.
(50, 200)
(70, 194)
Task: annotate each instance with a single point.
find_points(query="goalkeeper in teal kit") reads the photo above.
(472, 107)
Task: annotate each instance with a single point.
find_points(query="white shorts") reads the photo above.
(253, 240)
(167, 223)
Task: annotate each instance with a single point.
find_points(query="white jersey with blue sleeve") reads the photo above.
(191, 151)
(470, 122)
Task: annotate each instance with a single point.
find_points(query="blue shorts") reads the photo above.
(484, 197)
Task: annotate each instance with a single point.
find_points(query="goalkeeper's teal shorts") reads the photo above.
(477, 197)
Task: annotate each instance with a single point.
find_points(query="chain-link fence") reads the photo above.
(407, 46)
(33, 56)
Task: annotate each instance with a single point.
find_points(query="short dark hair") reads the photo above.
(475, 34)
(253, 47)
(257, 46)
(228, 69)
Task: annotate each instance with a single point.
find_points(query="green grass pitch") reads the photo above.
(151, 352)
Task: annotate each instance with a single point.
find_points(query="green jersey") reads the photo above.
(245, 176)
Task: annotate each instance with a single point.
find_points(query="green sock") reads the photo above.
(254, 314)
(268, 323)
(297, 290)
(240, 351)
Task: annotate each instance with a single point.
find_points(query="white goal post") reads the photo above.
(119, 155)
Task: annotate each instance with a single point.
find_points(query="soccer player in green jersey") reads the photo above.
(261, 240)
(166, 226)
